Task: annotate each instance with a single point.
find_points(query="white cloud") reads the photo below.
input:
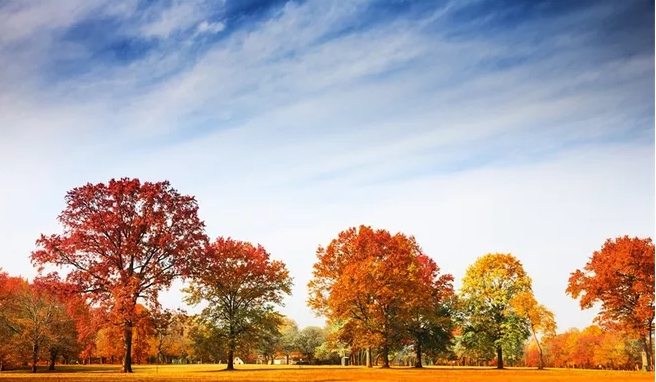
(179, 17)
(206, 27)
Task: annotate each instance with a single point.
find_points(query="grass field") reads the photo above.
(249, 373)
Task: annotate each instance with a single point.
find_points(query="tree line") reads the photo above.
(385, 300)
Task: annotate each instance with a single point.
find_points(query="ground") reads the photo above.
(250, 373)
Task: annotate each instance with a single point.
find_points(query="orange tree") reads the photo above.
(374, 283)
(123, 242)
(621, 277)
(242, 286)
(488, 289)
(11, 288)
(540, 319)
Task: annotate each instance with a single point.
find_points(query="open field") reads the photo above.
(249, 373)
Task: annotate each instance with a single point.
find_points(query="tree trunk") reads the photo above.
(418, 353)
(231, 349)
(35, 357)
(499, 358)
(231, 361)
(53, 358)
(649, 346)
(127, 359)
(2, 366)
(368, 357)
(385, 356)
(540, 358)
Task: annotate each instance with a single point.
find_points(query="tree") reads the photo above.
(288, 338)
(207, 341)
(268, 344)
(431, 333)
(621, 277)
(169, 330)
(123, 242)
(308, 340)
(429, 322)
(489, 286)
(540, 319)
(242, 285)
(10, 290)
(369, 280)
(38, 317)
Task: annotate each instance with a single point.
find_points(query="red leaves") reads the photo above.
(621, 277)
(123, 241)
(241, 284)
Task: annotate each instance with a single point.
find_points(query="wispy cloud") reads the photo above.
(525, 127)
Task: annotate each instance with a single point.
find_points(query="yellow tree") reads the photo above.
(540, 319)
(489, 286)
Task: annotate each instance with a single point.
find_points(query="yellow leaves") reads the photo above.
(494, 279)
(540, 317)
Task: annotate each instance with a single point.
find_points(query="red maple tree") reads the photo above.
(621, 277)
(123, 242)
(242, 285)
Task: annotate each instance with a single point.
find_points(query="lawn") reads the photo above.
(247, 373)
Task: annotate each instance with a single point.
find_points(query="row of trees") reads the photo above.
(47, 329)
(592, 347)
(124, 242)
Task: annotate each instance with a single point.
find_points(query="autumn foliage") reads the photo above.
(621, 277)
(374, 283)
(386, 301)
(242, 286)
(122, 243)
(490, 287)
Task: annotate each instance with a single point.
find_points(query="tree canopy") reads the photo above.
(242, 286)
(488, 288)
(621, 277)
(374, 282)
(123, 242)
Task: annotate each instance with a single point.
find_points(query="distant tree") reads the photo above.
(242, 286)
(309, 339)
(428, 322)
(37, 321)
(621, 277)
(431, 333)
(106, 346)
(288, 338)
(169, 333)
(123, 242)
(540, 319)
(10, 289)
(489, 286)
(269, 342)
(207, 342)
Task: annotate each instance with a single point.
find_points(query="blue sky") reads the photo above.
(477, 126)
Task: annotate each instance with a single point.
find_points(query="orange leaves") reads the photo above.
(373, 281)
(621, 277)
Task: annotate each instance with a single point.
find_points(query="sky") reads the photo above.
(478, 126)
